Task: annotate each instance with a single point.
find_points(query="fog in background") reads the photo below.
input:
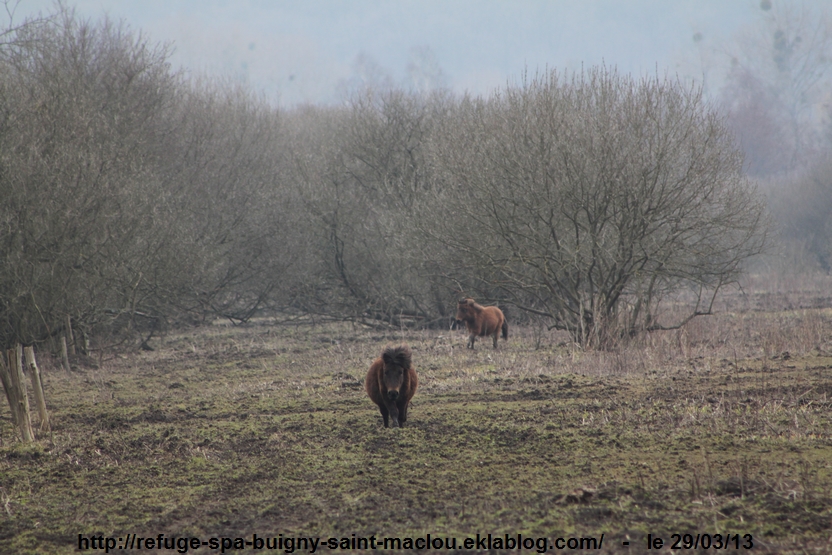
(606, 167)
(318, 51)
(297, 52)
(774, 87)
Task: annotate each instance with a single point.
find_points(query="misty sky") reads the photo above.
(307, 51)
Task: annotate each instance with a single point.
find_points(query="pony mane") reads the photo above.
(400, 356)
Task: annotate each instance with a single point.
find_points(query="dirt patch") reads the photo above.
(236, 431)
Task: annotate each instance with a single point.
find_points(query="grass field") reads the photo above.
(722, 428)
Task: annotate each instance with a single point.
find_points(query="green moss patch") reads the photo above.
(235, 431)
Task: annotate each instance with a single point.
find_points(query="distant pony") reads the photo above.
(391, 383)
(481, 321)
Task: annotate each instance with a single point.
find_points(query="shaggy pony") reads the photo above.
(481, 321)
(391, 383)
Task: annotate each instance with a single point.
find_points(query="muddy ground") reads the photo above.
(722, 428)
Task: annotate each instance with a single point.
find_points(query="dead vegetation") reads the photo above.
(722, 427)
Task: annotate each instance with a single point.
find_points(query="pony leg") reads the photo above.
(471, 339)
(496, 335)
(403, 414)
(384, 415)
(394, 414)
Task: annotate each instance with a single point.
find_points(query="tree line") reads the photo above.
(134, 198)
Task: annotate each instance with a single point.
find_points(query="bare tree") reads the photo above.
(232, 220)
(78, 102)
(777, 96)
(424, 72)
(15, 32)
(363, 172)
(801, 204)
(591, 199)
(133, 197)
(776, 86)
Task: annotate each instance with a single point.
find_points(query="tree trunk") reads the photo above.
(64, 355)
(21, 399)
(6, 378)
(37, 384)
(69, 336)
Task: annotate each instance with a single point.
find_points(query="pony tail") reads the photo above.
(505, 330)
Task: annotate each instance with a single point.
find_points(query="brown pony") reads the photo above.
(391, 383)
(481, 321)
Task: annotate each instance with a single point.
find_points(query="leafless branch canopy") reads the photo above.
(134, 197)
(591, 198)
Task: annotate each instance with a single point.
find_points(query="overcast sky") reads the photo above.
(305, 51)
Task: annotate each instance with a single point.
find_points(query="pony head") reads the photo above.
(465, 309)
(396, 361)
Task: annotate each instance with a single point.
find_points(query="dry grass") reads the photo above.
(724, 426)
